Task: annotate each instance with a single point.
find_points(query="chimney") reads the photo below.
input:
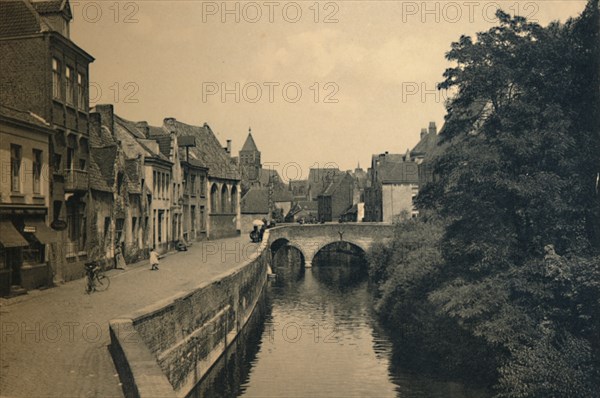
(432, 128)
(423, 132)
(228, 147)
(107, 116)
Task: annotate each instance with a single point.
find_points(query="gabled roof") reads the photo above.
(208, 149)
(336, 184)
(320, 178)
(249, 145)
(426, 145)
(132, 138)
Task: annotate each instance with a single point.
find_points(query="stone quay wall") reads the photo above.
(166, 349)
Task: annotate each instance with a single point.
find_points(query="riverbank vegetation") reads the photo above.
(499, 279)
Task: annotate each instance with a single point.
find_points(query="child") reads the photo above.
(154, 260)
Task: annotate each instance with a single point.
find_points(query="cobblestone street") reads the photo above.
(54, 342)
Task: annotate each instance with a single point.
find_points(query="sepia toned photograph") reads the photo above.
(307, 199)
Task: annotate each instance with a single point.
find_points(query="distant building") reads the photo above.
(319, 179)
(337, 198)
(255, 205)
(395, 179)
(251, 170)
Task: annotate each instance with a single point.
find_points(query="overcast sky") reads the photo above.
(359, 76)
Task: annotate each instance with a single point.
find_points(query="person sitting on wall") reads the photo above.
(255, 234)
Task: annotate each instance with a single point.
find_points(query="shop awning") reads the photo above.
(42, 232)
(9, 236)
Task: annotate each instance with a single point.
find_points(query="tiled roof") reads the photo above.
(18, 17)
(23, 116)
(249, 145)
(319, 179)
(97, 181)
(164, 143)
(130, 136)
(256, 200)
(105, 158)
(426, 145)
(398, 172)
(208, 149)
(335, 184)
(48, 6)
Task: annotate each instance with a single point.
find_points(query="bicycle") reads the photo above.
(96, 280)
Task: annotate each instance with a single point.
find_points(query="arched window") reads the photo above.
(234, 199)
(214, 193)
(224, 199)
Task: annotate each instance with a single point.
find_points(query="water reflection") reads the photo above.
(316, 335)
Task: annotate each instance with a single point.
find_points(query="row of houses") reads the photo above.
(81, 183)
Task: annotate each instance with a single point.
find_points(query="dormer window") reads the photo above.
(56, 76)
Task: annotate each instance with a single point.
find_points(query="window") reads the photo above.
(57, 163)
(56, 76)
(234, 199)
(193, 184)
(202, 220)
(69, 88)
(214, 197)
(37, 170)
(193, 218)
(154, 182)
(160, 224)
(81, 164)
(81, 98)
(134, 231)
(106, 226)
(15, 167)
(224, 199)
(202, 186)
(70, 157)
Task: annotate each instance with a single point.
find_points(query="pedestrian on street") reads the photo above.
(154, 260)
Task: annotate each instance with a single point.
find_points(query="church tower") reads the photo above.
(250, 161)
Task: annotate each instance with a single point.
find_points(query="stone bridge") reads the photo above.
(310, 239)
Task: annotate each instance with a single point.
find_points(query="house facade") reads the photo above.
(25, 236)
(48, 74)
(223, 178)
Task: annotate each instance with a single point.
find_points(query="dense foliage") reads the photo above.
(517, 171)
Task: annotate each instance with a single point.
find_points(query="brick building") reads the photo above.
(45, 72)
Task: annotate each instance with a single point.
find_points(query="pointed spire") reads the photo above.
(249, 145)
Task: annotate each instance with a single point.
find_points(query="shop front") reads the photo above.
(24, 239)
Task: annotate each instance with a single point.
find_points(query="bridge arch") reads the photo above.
(357, 245)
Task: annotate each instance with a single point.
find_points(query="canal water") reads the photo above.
(314, 334)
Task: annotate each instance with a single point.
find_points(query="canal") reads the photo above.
(314, 334)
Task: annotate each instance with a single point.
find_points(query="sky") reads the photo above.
(321, 84)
